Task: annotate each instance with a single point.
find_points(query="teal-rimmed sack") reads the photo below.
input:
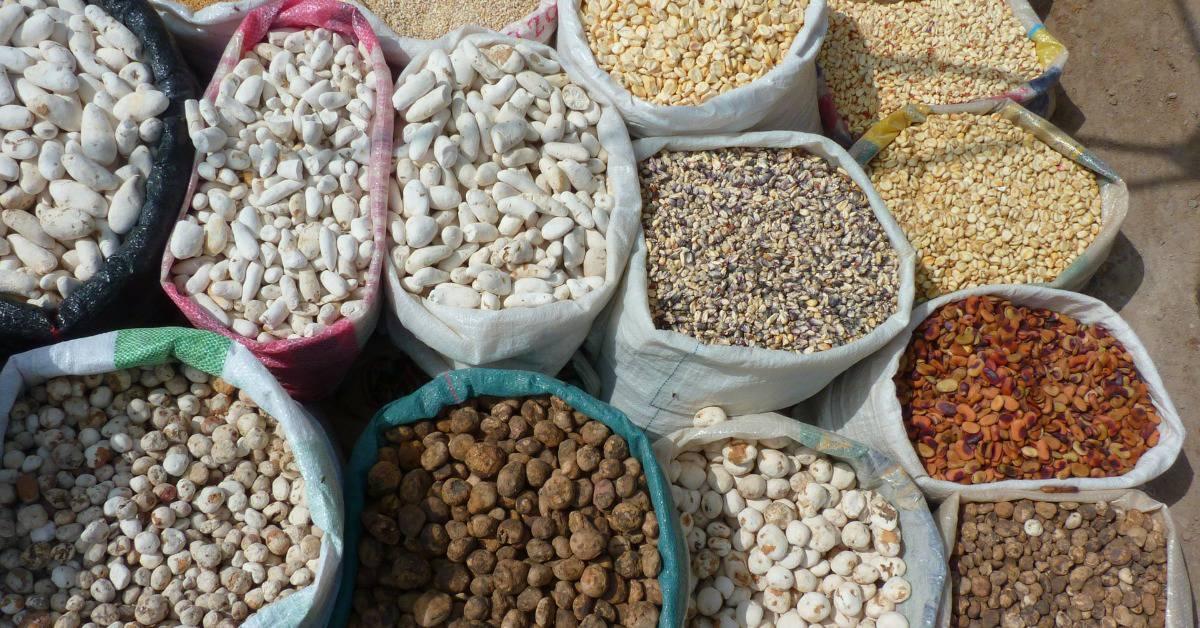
(1114, 195)
(922, 550)
(218, 356)
(456, 387)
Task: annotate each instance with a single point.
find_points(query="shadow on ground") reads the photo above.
(1171, 486)
(1119, 276)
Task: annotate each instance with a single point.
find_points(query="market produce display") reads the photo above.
(156, 496)
(1034, 563)
(167, 477)
(684, 52)
(991, 390)
(80, 117)
(763, 247)
(879, 56)
(783, 535)
(501, 198)
(507, 512)
(278, 241)
(985, 202)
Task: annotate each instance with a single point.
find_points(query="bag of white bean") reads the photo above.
(204, 26)
(1114, 195)
(1178, 610)
(281, 248)
(660, 377)
(158, 373)
(90, 185)
(862, 404)
(751, 81)
(859, 474)
(513, 209)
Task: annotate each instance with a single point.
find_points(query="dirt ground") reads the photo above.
(1131, 93)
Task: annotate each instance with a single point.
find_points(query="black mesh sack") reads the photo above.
(125, 292)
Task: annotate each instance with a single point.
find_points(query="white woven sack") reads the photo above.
(441, 337)
(660, 378)
(924, 558)
(313, 451)
(1179, 588)
(862, 403)
(206, 31)
(785, 98)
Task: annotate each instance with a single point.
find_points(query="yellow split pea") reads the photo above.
(984, 201)
(879, 56)
(683, 52)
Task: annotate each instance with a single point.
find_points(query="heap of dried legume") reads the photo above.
(985, 202)
(879, 56)
(763, 247)
(991, 391)
(1032, 563)
(154, 496)
(683, 52)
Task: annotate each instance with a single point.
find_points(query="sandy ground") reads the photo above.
(1131, 93)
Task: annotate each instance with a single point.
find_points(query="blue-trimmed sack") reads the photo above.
(455, 387)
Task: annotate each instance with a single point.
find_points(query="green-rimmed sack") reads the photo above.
(455, 387)
(922, 551)
(1114, 195)
(215, 355)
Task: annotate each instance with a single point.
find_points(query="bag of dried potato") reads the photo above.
(1126, 539)
(588, 531)
(763, 494)
(163, 476)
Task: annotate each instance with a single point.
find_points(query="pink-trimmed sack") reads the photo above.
(309, 368)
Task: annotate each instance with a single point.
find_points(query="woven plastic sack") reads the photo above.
(313, 451)
(442, 337)
(660, 378)
(862, 404)
(1179, 589)
(1037, 94)
(1114, 195)
(309, 368)
(207, 29)
(113, 296)
(454, 388)
(785, 98)
(922, 550)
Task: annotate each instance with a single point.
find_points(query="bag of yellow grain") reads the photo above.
(989, 193)
(405, 28)
(683, 67)
(879, 56)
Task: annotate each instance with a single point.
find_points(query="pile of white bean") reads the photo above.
(780, 536)
(77, 110)
(501, 197)
(278, 241)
